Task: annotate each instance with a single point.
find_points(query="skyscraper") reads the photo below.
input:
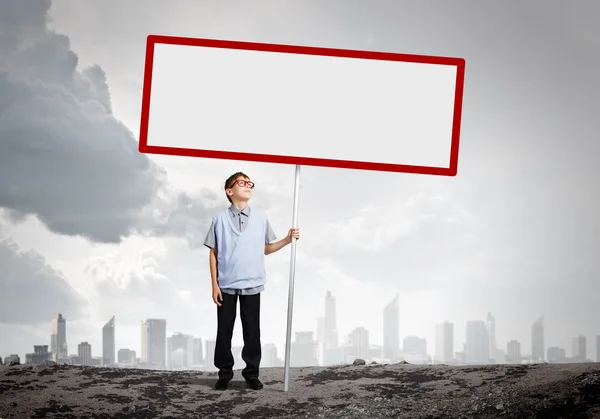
(391, 330)
(513, 352)
(580, 349)
(331, 334)
(537, 341)
(58, 339)
(209, 361)
(359, 343)
(304, 350)
(444, 342)
(154, 342)
(491, 327)
(108, 342)
(198, 353)
(477, 346)
(84, 351)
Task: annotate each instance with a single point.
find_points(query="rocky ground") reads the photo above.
(357, 391)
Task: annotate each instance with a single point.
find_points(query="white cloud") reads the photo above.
(375, 227)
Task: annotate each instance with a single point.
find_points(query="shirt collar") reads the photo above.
(235, 211)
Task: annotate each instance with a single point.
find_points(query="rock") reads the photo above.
(13, 363)
(499, 406)
(359, 362)
(51, 363)
(403, 362)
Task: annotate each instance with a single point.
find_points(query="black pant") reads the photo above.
(250, 316)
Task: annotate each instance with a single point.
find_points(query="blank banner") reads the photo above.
(302, 105)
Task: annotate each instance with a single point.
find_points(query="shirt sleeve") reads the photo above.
(211, 238)
(269, 234)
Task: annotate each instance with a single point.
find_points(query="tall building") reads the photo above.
(556, 355)
(414, 345)
(126, 356)
(304, 350)
(391, 330)
(108, 342)
(580, 349)
(84, 351)
(491, 328)
(477, 345)
(154, 341)
(331, 333)
(537, 341)
(321, 341)
(444, 343)
(321, 329)
(183, 346)
(58, 339)
(513, 352)
(209, 361)
(598, 348)
(359, 343)
(269, 356)
(198, 355)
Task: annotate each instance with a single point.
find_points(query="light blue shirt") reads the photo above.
(240, 237)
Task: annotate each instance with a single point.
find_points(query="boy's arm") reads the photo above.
(212, 262)
(278, 245)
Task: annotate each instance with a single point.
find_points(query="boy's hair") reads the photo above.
(230, 182)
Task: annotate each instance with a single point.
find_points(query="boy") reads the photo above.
(238, 239)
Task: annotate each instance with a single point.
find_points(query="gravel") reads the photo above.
(355, 391)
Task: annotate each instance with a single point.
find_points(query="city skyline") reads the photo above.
(321, 347)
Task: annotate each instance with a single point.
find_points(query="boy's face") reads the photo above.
(241, 190)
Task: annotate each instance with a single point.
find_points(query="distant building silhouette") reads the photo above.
(180, 351)
(108, 342)
(197, 352)
(209, 361)
(579, 349)
(12, 358)
(126, 356)
(269, 356)
(513, 352)
(537, 341)
(477, 345)
(444, 343)
(39, 356)
(358, 347)
(154, 341)
(597, 349)
(391, 330)
(84, 353)
(58, 339)
(493, 347)
(331, 333)
(414, 345)
(304, 350)
(556, 355)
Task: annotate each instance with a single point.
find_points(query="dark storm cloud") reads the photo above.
(63, 156)
(31, 290)
(182, 215)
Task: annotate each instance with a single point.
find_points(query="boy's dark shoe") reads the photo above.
(254, 383)
(222, 383)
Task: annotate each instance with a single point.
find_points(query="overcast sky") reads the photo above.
(91, 228)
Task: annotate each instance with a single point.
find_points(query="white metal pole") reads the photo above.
(288, 337)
